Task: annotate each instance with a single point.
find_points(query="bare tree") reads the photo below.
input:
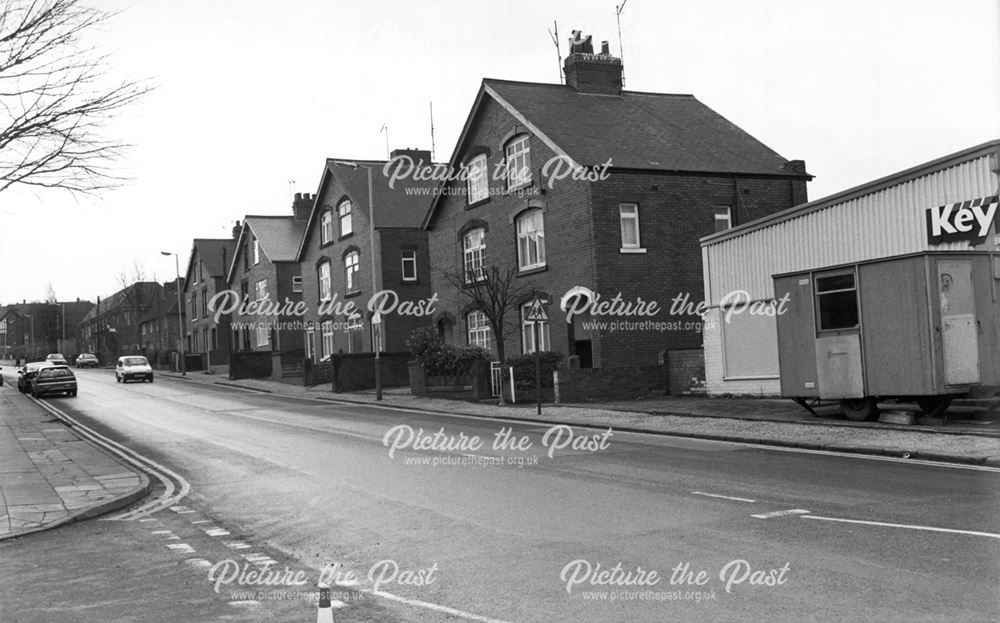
(495, 292)
(56, 97)
(138, 295)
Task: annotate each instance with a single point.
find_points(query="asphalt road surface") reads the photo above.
(588, 527)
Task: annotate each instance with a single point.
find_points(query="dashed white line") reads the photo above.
(217, 532)
(886, 524)
(724, 497)
(181, 548)
(793, 511)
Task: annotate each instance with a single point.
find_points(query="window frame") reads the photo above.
(256, 251)
(262, 334)
(728, 214)
(477, 183)
(324, 278)
(326, 339)
(517, 148)
(819, 296)
(297, 283)
(260, 286)
(471, 256)
(481, 332)
(347, 215)
(630, 220)
(529, 238)
(352, 271)
(326, 226)
(408, 256)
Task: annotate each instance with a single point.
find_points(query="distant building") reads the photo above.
(207, 339)
(37, 329)
(160, 327)
(112, 327)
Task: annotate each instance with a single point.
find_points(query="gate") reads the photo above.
(496, 378)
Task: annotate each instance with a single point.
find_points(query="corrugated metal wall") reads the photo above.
(884, 223)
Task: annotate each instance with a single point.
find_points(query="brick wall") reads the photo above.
(621, 383)
(357, 371)
(687, 371)
(675, 210)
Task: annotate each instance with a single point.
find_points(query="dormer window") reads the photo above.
(518, 161)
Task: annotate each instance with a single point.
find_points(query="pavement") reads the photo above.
(49, 476)
(970, 435)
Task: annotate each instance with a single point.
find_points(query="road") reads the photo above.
(623, 527)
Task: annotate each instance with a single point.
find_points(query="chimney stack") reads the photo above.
(587, 72)
(417, 155)
(237, 228)
(302, 206)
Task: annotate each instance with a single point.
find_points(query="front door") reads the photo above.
(959, 329)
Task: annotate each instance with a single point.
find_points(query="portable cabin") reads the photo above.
(923, 327)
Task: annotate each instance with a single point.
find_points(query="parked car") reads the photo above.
(27, 372)
(53, 379)
(87, 360)
(133, 367)
(56, 359)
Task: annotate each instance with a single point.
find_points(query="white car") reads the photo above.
(133, 367)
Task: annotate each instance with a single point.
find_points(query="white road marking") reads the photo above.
(238, 545)
(148, 519)
(196, 522)
(161, 532)
(887, 524)
(182, 548)
(164, 475)
(217, 532)
(792, 511)
(245, 602)
(724, 497)
(435, 607)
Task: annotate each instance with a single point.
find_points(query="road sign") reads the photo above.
(536, 313)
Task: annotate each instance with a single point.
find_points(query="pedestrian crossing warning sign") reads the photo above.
(536, 313)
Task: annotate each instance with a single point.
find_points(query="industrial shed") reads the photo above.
(946, 207)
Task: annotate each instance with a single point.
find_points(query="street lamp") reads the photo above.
(377, 320)
(180, 310)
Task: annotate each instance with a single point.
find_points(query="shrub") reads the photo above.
(524, 368)
(437, 357)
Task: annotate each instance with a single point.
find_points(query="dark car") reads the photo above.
(87, 360)
(27, 372)
(53, 380)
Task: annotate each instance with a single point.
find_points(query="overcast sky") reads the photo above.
(252, 95)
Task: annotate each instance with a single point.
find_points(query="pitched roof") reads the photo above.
(403, 205)
(655, 131)
(279, 238)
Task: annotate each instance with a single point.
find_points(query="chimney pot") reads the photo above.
(587, 72)
(298, 196)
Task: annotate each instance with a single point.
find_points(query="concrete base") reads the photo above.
(896, 417)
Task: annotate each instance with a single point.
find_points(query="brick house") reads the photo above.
(113, 327)
(207, 340)
(265, 267)
(37, 329)
(653, 173)
(337, 255)
(160, 327)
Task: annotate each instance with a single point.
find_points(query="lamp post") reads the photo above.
(180, 311)
(31, 343)
(378, 323)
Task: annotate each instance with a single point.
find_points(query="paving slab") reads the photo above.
(49, 476)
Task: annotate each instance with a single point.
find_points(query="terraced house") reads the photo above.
(593, 193)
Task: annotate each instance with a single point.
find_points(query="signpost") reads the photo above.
(537, 315)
